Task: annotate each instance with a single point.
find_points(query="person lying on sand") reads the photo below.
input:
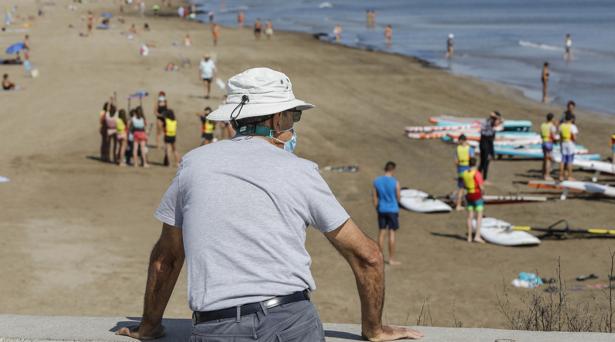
(7, 84)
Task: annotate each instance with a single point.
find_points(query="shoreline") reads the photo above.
(77, 228)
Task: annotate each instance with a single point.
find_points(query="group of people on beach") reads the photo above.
(124, 135)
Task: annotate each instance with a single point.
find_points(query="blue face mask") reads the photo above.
(289, 145)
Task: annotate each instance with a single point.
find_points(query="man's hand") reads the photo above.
(391, 333)
(142, 332)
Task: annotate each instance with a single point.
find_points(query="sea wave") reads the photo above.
(529, 44)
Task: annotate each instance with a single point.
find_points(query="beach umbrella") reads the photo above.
(107, 15)
(15, 48)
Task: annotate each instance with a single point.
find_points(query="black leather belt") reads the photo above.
(247, 309)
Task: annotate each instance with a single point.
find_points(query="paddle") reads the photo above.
(552, 230)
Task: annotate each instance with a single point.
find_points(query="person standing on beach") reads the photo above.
(258, 27)
(111, 124)
(170, 136)
(487, 137)
(568, 47)
(207, 69)
(248, 266)
(207, 127)
(337, 32)
(570, 107)
(215, 33)
(241, 17)
(388, 35)
(122, 137)
(473, 182)
(104, 147)
(568, 132)
(544, 78)
(613, 148)
(139, 135)
(269, 29)
(548, 131)
(90, 22)
(160, 107)
(462, 162)
(386, 196)
(450, 46)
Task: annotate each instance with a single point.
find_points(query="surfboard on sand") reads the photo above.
(509, 199)
(589, 187)
(500, 232)
(4, 179)
(422, 202)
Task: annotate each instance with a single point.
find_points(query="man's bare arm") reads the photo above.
(367, 263)
(165, 264)
(375, 197)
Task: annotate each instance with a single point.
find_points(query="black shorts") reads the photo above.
(207, 80)
(207, 136)
(169, 140)
(257, 31)
(388, 221)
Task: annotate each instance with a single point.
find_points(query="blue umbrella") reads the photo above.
(107, 15)
(15, 48)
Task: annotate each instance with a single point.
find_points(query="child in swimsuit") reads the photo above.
(473, 181)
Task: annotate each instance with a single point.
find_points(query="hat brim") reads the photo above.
(249, 110)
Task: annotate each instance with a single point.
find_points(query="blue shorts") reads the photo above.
(613, 148)
(477, 205)
(568, 158)
(460, 170)
(547, 147)
(388, 221)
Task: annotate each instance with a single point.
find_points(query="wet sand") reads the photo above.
(76, 233)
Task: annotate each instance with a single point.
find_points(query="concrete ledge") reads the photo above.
(15, 328)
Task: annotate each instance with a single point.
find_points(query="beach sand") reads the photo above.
(76, 233)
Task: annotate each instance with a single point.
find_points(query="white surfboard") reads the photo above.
(421, 202)
(500, 233)
(4, 179)
(589, 187)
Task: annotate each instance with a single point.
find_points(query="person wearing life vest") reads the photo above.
(170, 133)
(473, 182)
(548, 131)
(207, 127)
(463, 153)
(568, 132)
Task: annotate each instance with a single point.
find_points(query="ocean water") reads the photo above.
(506, 41)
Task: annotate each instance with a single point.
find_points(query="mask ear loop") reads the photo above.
(244, 100)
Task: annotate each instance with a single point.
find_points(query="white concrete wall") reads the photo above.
(15, 328)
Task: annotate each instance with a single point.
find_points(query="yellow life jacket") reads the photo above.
(546, 130)
(208, 127)
(469, 182)
(566, 132)
(463, 155)
(170, 127)
(120, 126)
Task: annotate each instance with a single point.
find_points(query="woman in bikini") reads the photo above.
(122, 137)
(137, 125)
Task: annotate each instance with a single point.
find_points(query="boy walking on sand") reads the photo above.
(462, 161)
(386, 195)
(473, 181)
(547, 132)
(568, 132)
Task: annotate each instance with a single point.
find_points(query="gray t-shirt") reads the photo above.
(243, 206)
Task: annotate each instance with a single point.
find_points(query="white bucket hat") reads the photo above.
(257, 92)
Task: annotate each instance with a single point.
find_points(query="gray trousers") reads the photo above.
(293, 322)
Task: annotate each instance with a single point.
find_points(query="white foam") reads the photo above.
(529, 44)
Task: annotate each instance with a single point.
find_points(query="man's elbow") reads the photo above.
(372, 256)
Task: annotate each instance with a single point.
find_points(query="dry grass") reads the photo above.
(553, 310)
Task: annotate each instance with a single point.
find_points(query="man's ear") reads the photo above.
(275, 121)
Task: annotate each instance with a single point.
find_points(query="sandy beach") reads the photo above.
(76, 233)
